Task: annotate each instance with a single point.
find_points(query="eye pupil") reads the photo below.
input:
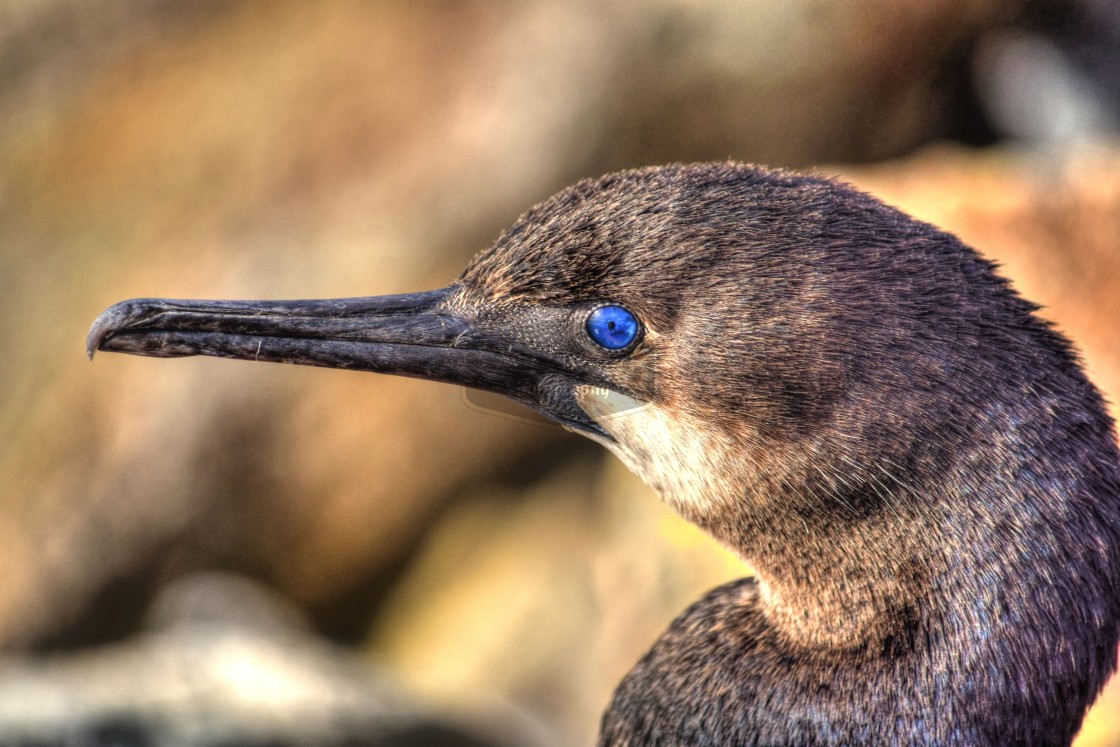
(613, 327)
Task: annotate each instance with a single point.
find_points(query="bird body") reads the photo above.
(852, 400)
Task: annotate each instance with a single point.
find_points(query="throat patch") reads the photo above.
(668, 451)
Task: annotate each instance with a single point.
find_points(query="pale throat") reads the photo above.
(668, 450)
(699, 473)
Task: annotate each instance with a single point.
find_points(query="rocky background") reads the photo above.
(205, 552)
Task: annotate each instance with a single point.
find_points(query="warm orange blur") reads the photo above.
(289, 149)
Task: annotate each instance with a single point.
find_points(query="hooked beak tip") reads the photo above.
(96, 335)
(102, 327)
(117, 317)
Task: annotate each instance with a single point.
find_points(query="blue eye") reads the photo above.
(613, 327)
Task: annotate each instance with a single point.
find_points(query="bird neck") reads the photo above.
(841, 561)
(877, 542)
(845, 590)
(826, 583)
(836, 569)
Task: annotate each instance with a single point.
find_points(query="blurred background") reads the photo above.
(207, 552)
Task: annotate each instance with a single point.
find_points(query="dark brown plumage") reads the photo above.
(853, 400)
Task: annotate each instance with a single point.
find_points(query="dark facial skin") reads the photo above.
(852, 400)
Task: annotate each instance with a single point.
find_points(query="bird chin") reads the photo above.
(604, 408)
(602, 404)
(670, 452)
(614, 416)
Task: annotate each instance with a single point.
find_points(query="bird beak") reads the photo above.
(413, 334)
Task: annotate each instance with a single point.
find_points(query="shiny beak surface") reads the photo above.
(412, 334)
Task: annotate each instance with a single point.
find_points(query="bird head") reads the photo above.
(727, 330)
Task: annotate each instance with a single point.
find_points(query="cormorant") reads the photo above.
(851, 399)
